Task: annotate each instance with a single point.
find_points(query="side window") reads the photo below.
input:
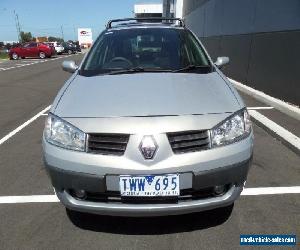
(196, 54)
(32, 45)
(134, 44)
(100, 52)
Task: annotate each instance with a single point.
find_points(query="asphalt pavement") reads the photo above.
(26, 90)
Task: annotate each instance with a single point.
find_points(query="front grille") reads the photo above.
(189, 141)
(107, 144)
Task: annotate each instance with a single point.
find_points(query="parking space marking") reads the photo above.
(3, 69)
(271, 190)
(286, 108)
(53, 198)
(259, 108)
(33, 61)
(28, 199)
(12, 133)
(285, 135)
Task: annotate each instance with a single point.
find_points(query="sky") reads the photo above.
(45, 18)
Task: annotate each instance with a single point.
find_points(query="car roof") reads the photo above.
(144, 25)
(128, 23)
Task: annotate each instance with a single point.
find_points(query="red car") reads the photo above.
(32, 49)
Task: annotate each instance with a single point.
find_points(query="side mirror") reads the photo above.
(69, 66)
(221, 61)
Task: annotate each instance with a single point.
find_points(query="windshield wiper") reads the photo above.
(124, 71)
(137, 70)
(192, 67)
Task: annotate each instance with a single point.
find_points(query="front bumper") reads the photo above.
(70, 170)
(137, 210)
(233, 175)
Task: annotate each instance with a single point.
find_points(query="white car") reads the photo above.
(58, 47)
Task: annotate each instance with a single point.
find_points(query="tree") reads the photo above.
(25, 36)
(55, 39)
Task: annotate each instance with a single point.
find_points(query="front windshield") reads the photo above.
(147, 49)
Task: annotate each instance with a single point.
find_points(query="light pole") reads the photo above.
(62, 32)
(74, 33)
(18, 26)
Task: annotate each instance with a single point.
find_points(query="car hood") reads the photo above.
(146, 94)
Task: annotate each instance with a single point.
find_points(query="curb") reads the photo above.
(287, 138)
(284, 107)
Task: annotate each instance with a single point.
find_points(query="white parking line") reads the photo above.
(259, 108)
(271, 190)
(8, 68)
(286, 108)
(31, 62)
(20, 64)
(53, 198)
(12, 133)
(28, 199)
(282, 133)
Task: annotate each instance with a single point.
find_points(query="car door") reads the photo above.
(65, 47)
(33, 50)
(25, 50)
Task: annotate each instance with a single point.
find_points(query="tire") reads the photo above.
(22, 57)
(42, 55)
(14, 56)
(70, 52)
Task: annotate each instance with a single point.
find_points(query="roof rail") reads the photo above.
(181, 22)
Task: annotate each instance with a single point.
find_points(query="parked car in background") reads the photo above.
(69, 48)
(4, 50)
(31, 49)
(57, 46)
(78, 48)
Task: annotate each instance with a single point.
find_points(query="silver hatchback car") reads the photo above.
(147, 125)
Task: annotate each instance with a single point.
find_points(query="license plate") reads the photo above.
(150, 185)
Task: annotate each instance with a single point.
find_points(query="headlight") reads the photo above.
(233, 129)
(63, 134)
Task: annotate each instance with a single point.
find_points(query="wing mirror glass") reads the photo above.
(69, 66)
(221, 61)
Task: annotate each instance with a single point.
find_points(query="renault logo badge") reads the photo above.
(148, 147)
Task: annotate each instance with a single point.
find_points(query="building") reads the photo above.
(261, 38)
(148, 10)
(85, 37)
(168, 8)
(41, 39)
(10, 42)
